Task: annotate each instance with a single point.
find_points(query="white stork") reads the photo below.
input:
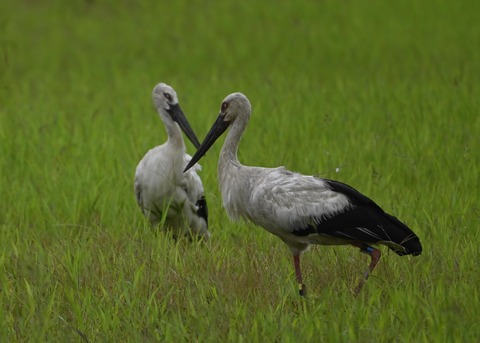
(163, 192)
(299, 209)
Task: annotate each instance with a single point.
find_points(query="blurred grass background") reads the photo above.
(388, 92)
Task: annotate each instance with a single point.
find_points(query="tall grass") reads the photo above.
(388, 93)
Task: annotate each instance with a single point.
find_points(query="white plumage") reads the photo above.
(163, 192)
(299, 209)
(279, 200)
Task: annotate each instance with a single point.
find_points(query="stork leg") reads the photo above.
(298, 274)
(375, 255)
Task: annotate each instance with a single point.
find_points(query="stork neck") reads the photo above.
(174, 134)
(228, 154)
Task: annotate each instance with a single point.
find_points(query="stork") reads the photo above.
(300, 209)
(163, 192)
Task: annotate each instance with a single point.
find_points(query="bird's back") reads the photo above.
(287, 200)
(304, 210)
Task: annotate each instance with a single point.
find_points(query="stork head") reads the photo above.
(166, 102)
(234, 106)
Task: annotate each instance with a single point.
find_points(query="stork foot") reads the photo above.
(302, 289)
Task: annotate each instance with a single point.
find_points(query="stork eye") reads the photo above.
(224, 106)
(168, 96)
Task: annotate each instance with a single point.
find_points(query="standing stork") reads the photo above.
(301, 210)
(163, 191)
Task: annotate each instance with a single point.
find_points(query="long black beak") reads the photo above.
(216, 131)
(179, 117)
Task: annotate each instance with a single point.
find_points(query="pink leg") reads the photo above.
(298, 274)
(375, 255)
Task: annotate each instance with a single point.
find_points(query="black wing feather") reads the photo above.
(202, 209)
(366, 222)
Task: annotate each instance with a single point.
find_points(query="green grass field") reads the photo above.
(389, 92)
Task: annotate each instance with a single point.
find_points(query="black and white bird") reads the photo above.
(164, 193)
(301, 210)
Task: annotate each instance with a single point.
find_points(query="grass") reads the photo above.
(386, 92)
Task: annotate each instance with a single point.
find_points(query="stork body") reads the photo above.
(301, 210)
(163, 192)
